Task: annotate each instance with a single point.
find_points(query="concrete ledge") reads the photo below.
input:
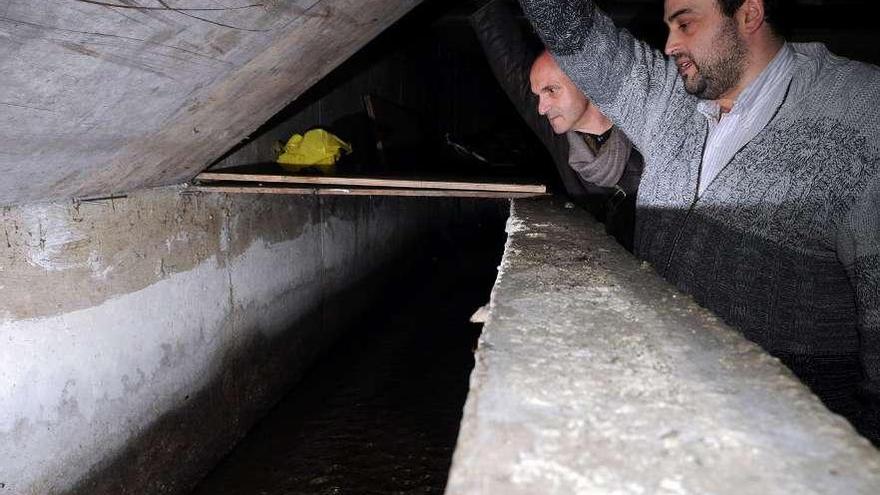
(593, 375)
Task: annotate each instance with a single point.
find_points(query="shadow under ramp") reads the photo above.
(380, 412)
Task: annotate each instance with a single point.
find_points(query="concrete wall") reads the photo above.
(595, 376)
(140, 336)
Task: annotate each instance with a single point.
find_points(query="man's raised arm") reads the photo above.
(630, 82)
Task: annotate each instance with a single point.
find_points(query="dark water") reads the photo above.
(380, 413)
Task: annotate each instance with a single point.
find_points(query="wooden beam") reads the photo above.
(336, 191)
(372, 182)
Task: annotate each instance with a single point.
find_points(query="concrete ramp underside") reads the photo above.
(104, 97)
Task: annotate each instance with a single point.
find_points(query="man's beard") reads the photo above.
(714, 77)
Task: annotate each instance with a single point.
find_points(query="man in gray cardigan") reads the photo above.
(760, 192)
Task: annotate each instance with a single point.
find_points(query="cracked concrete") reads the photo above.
(593, 375)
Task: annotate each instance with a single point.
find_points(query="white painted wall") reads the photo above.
(80, 379)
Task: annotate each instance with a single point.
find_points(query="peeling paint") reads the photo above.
(52, 240)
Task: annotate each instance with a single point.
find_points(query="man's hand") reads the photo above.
(562, 24)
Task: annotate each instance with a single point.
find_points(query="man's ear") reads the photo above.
(750, 15)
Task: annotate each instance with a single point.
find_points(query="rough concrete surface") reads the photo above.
(141, 336)
(595, 376)
(102, 97)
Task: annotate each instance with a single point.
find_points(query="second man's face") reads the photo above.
(558, 98)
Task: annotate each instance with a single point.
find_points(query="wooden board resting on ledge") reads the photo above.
(276, 175)
(359, 191)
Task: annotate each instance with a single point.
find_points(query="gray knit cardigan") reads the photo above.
(784, 244)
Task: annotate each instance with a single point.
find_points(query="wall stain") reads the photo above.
(82, 254)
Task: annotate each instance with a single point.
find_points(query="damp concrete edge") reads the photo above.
(593, 375)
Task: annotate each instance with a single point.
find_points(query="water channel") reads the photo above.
(379, 413)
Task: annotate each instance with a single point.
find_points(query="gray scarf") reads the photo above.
(602, 167)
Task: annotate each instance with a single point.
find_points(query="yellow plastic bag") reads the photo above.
(316, 149)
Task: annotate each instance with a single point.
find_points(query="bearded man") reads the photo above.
(761, 187)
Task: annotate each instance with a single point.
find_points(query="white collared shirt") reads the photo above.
(751, 112)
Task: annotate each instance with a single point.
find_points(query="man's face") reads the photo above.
(558, 98)
(706, 45)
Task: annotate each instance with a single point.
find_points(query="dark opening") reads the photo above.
(379, 413)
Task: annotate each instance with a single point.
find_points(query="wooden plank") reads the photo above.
(335, 191)
(372, 182)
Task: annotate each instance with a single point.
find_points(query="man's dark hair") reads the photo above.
(772, 10)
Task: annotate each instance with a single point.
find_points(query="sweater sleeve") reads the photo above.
(858, 248)
(631, 83)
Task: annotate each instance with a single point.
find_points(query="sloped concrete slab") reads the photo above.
(102, 97)
(595, 376)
